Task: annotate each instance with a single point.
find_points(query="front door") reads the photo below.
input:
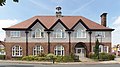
(80, 52)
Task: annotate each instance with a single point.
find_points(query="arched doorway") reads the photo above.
(80, 50)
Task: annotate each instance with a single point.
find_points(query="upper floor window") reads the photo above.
(59, 33)
(80, 33)
(15, 33)
(38, 33)
(100, 34)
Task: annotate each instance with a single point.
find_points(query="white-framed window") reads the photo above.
(80, 33)
(38, 33)
(100, 34)
(59, 50)
(2, 50)
(106, 49)
(15, 33)
(59, 33)
(17, 51)
(100, 48)
(37, 50)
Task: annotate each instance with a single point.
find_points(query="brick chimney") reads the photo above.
(103, 19)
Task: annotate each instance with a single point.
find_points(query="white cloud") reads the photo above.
(4, 24)
(116, 32)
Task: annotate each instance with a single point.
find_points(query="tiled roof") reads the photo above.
(48, 21)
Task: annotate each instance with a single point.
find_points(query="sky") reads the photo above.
(13, 13)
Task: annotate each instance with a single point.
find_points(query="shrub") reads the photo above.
(28, 58)
(93, 56)
(68, 59)
(59, 59)
(41, 59)
(111, 56)
(2, 57)
(17, 58)
(102, 56)
(42, 55)
(51, 57)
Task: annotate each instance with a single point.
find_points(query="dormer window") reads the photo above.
(59, 33)
(38, 33)
(80, 33)
(15, 33)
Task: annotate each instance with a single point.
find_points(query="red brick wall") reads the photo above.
(9, 45)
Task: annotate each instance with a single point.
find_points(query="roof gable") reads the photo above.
(58, 21)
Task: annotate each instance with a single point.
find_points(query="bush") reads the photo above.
(111, 56)
(41, 58)
(59, 59)
(2, 57)
(68, 59)
(102, 56)
(42, 55)
(51, 56)
(17, 58)
(28, 58)
(93, 56)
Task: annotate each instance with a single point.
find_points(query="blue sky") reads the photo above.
(13, 13)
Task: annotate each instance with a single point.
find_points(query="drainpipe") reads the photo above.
(69, 42)
(48, 42)
(26, 42)
(90, 40)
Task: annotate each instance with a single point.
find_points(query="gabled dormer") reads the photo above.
(59, 29)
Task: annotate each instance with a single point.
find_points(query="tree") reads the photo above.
(97, 48)
(2, 2)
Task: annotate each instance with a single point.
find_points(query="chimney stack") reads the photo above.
(103, 19)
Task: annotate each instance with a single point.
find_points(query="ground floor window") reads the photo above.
(59, 50)
(37, 50)
(101, 49)
(16, 51)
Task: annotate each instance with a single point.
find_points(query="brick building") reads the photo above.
(60, 35)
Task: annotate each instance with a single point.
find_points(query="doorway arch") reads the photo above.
(80, 49)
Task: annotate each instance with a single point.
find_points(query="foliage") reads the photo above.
(2, 57)
(102, 56)
(2, 2)
(69, 58)
(42, 55)
(97, 48)
(51, 56)
(17, 58)
(28, 58)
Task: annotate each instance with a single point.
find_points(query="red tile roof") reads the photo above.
(48, 21)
